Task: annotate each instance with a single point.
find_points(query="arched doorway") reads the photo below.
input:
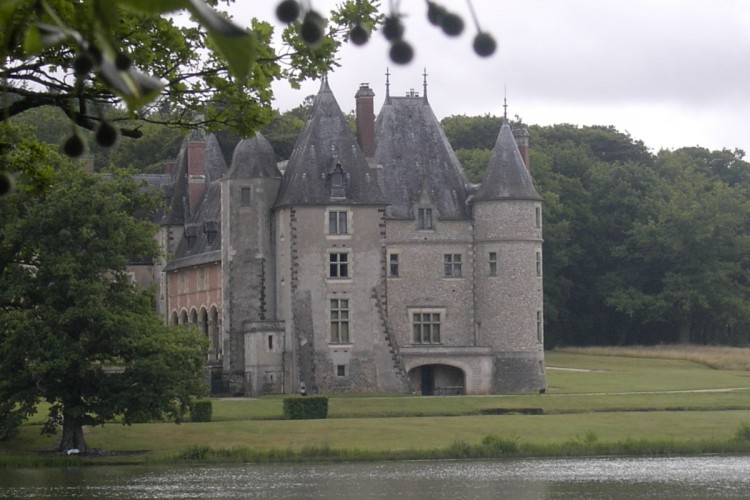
(438, 380)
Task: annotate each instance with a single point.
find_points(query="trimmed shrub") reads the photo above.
(201, 411)
(308, 407)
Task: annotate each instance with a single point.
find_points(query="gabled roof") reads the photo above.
(506, 177)
(414, 154)
(325, 143)
(253, 158)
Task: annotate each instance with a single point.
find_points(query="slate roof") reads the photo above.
(325, 142)
(201, 242)
(253, 158)
(506, 177)
(415, 156)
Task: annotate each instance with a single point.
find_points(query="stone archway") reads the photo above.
(438, 380)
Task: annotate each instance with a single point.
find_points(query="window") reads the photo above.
(336, 182)
(424, 218)
(426, 327)
(539, 263)
(539, 326)
(341, 370)
(270, 343)
(493, 263)
(393, 265)
(337, 222)
(538, 216)
(339, 321)
(338, 265)
(246, 196)
(452, 262)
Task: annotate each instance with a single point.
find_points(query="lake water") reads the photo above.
(595, 478)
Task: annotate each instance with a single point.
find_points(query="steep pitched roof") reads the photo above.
(506, 177)
(326, 144)
(253, 158)
(414, 154)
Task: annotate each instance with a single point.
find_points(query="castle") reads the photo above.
(370, 263)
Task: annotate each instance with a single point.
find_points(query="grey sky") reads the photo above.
(670, 72)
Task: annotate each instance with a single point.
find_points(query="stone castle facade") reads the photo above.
(368, 263)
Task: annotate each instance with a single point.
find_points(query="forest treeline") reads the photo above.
(640, 247)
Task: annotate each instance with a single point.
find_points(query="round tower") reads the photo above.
(252, 339)
(508, 260)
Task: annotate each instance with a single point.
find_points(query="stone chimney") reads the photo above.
(196, 171)
(521, 135)
(366, 120)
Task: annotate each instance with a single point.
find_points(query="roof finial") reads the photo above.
(505, 103)
(425, 83)
(387, 82)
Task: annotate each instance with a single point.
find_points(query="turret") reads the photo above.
(508, 250)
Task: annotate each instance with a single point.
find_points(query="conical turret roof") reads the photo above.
(415, 155)
(253, 158)
(506, 177)
(327, 166)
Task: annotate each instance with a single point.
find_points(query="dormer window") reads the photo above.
(337, 182)
(424, 218)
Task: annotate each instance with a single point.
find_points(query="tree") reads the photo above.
(75, 331)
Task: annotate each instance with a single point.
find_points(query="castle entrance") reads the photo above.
(438, 380)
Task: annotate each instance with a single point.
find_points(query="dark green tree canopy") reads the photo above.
(75, 330)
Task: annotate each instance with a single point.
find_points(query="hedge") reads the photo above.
(305, 407)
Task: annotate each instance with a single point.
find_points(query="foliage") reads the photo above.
(75, 331)
(201, 411)
(308, 407)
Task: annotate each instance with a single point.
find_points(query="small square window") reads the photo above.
(452, 265)
(393, 265)
(424, 218)
(338, 265)
(493, 263)
(337, 222)
(341, 370)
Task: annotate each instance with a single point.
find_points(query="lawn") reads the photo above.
(602, 398)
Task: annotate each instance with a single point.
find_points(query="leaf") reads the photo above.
(153, 6)
(234, 43)
(135, 87)
(40, 36)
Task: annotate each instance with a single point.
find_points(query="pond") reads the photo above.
(713, 477)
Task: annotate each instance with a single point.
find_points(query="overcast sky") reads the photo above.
(671, 73)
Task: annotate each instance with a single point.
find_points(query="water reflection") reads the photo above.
(662, 478)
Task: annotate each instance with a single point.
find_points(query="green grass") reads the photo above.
(595, 404)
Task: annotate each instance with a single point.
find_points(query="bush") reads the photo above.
(201, 411)
(308, 407)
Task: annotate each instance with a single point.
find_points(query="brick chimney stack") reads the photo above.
(521, 134)
(366, 119)
(196, 150)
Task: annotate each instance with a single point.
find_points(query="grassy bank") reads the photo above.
(595, 404)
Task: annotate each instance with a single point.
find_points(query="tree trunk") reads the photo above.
(683, 331)
(72, 435)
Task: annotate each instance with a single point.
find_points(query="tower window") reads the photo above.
(539, 326)
(538, 216)
(336, 182)
(539, 263)
(246, 196)
(393, 265)
(493, 264)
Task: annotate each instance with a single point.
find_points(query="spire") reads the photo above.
(324, 84)
(387, 85)
(505, 103)
(424, 84)
(506, 177)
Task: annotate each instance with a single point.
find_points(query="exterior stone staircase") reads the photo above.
(398, 364)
